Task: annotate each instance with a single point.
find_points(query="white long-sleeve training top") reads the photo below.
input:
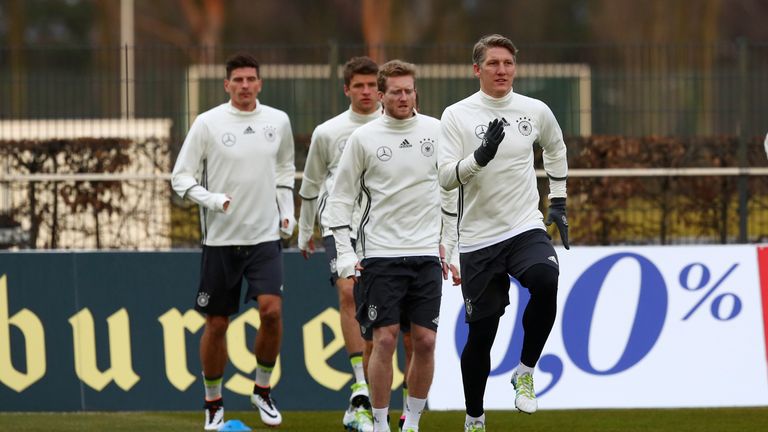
(500, 200)
(247, 156)
(393, 163)
(325, 148)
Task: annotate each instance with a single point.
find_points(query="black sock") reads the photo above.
(476, 362)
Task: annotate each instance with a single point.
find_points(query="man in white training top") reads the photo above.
(486, 151)
(237, 164)
(328, 141)
(392, 161)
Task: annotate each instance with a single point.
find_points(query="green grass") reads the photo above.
(672, 420)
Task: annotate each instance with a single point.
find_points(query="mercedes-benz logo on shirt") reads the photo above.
(480, 131)
(341, 143)
(384, 153)
(228, 139)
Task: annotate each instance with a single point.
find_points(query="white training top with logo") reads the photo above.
(500, 200)
(393, 162)
(328, 141)
(246, 156)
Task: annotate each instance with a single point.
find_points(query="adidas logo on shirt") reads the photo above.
(249, 131)
(553, 259)
(405, 144)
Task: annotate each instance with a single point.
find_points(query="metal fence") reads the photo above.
(153, 93)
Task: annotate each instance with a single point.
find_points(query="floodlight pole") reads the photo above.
(127, 64)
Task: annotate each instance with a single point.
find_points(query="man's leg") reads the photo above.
(476, 363)
(213, 357)
(538, 319)
(213, 346)
(408, 347)
(267, 348)
(420, 373)
(270, 332)
(358, 414)
(380, 373)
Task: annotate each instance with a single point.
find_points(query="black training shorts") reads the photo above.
(395, 289)
(222, 271)
(485, 272)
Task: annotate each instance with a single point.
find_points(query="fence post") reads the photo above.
(333, 85)
(743, 136)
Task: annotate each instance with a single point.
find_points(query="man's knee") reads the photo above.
(541, 280)
(217, 325)
(385, 338)
(270, 310)
(345, 288)
(423, 340)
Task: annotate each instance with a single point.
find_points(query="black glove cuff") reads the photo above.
(557, 202)
(481, 157)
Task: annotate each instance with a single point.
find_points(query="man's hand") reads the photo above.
(455, 275)
(443, 264)
(557, 215)
(286, 227)
(491, 140)
(308, 248)
(346, 266)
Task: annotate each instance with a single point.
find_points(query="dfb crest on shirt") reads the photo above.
(468, 306)
(427, 147)
(480, 131)
(202, 299)
(372, 313)
(524, 126)
(228, 139)
(270, 133)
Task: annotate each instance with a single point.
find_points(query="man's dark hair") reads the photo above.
(359, 66)
(492, 41)
(241, 60)
(394, 68)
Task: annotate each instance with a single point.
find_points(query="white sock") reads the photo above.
(469, 419)
(523, 369)
(263, 375)
(212, 388)
(413, 409)
(380, 423)
(357, 368)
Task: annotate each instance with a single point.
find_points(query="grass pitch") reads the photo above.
(619, 420)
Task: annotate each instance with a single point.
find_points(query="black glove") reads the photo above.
(493, 136)
(557, 215)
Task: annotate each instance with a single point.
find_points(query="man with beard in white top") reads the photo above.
(486, 151)
(328, 141)
(237, 164)
(392, 161)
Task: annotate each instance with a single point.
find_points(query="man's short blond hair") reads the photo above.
(394, 68)
(492, 41)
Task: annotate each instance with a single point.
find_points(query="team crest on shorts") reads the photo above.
(372, 313)
(202, 299)
(468, 306)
